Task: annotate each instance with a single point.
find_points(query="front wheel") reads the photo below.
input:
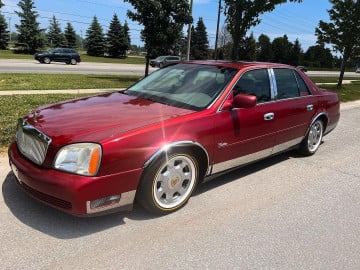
(168, 183)
(313, 138)
(47, 60)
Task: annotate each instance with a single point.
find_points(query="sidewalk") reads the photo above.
(65, 91)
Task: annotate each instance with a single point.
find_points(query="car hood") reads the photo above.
(99, 117)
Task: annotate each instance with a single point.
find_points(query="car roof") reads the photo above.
(238, 64)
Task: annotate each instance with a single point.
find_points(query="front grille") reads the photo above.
(46, 198)
(32, 143)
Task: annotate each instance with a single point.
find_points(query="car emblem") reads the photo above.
(174, 181)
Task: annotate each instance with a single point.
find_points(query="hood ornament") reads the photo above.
(34, 116)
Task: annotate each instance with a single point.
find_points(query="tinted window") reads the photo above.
(304, 90)
(287, 86)
(256, 83)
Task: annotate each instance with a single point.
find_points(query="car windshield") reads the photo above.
(189, 86)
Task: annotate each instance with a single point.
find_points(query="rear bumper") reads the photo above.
(74, 194)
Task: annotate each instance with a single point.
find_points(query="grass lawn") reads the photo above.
(16, 106)
(24, 81)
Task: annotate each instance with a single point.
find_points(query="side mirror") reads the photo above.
(244, 101)
(240, 101)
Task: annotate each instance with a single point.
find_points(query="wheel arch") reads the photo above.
(323, 117)
(196, 149)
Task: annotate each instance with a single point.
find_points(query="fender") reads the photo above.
(167, 147)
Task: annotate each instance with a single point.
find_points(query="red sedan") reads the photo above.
(155, 141)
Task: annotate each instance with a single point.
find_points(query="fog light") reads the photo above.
(103, 202)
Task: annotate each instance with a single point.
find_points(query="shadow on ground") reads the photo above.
(64, 226)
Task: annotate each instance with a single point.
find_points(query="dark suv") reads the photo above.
(69, 56)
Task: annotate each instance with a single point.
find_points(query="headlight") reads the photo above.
(80, 158)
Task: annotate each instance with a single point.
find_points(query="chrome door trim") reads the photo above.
(240, 161)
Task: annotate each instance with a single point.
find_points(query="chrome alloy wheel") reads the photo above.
(174, 181)
(315, 135)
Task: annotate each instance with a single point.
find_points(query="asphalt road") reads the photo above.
(32, 66)
(286, 212)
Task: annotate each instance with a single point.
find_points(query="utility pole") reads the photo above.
(217, 31)
(9, 29)
(189, 34)
(81, 39)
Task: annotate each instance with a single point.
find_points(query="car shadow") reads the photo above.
(55, 223)
(61, 225)
(241, 172)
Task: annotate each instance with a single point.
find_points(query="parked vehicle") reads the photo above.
(69, 56)
(163, 61)
(303, 68)
(155, 141)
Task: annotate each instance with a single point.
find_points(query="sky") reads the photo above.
(297, 21)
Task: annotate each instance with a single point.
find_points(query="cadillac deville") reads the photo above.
(155, 141)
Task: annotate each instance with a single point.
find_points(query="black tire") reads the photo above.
(313, 138)
(168, 183)
(47, 60)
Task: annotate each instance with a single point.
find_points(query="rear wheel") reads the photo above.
(47, 60)
(73, 61)
(313, 138)
(168, 183)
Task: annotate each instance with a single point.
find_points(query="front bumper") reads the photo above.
(75, 194)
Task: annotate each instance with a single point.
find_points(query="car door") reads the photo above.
(246, 134)
(294, 108)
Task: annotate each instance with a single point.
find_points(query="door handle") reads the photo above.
(269, 116)
(310, 107)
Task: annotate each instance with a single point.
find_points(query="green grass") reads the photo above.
(348, 92)
(136, 60)
(23, 81)
(15, 106)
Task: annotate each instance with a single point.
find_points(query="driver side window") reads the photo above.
(256, 83)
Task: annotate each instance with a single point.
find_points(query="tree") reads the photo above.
(199, 41)
(247, 49)
(241, 15)
(95, 41)
(4, 33)
(70, 36)
(319, 56)
(295, 54)
(264, 49)
(281, 48)
(117, 40)
(54, 35)
(30, 35)
(343, 32)
(224, 43)
(127, 34)
(163, 22)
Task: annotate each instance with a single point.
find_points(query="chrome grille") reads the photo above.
(32, 143)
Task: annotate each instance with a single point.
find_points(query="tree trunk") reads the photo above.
(147, 63)
(342, 71)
